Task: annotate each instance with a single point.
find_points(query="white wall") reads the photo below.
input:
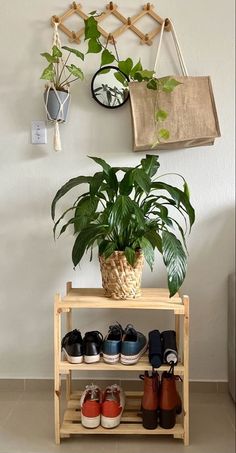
(32, 266)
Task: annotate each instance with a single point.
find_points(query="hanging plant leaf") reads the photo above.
(91, 29)
(56, 52)
(94, 46)
(48, 73)
(107, 57)
(75, 71)
(74, 51)
(126, 66)
(164, 133)
(161, 115)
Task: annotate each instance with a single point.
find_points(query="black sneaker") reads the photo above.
(92, 346)
(72, 346)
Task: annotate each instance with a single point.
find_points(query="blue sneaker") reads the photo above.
(134, 345)
(112, 344)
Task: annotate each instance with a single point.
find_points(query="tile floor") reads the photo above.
(26, 426)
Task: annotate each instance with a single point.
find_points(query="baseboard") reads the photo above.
(23, 385)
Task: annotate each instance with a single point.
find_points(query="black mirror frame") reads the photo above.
(92, 87)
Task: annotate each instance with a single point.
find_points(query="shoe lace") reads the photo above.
(93, 390)
(130, 329)
(116, 329)
(112, 390)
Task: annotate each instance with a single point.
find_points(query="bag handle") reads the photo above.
(177, 46)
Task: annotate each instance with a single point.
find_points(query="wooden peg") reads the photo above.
(111, 6)
(55, 20)
(148, 6)
(167, 25)
(147, 37)
(74, 37)
(74, 5)
(129, 22)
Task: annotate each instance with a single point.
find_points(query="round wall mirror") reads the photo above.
(110, 87)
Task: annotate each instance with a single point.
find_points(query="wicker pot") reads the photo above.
(119, 279)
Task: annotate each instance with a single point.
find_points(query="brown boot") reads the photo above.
(169, 400)
(150, 400)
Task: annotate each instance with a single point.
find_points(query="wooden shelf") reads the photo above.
(93, 298)
(131, 421)
(151, 299)
(142, 365)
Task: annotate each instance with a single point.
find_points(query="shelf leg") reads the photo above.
(69, 329)
(186, 371)
(57, 355)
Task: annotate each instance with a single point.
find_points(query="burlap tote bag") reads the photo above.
(192, 116)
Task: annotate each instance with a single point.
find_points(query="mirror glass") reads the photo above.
(110, 87)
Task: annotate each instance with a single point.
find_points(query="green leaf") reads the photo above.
(85, 212)
(121, 78)
(91, 29)
(56, 52)
(154, 238)
(130, 255)
(164, 134)
(94, 46)
(86, 238)
(142, 179)
(169, 84)
(136, 68)
(95, 183)
(148, 251)
(104, 71)
(65, 188)
(186, 190)
(106, 248)
(161, 115)
(106, 167)
(126, 184)
(179, 196)
(126, 66)
(49, 57)
(93, 13)
(150, 164)
(107, 57)
(175, 261)
(48, 73)
(145, 74)
(152, 84)
(75, 71)
(121, 211)
(74, 51)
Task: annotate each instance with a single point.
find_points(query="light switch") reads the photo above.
(38, 132)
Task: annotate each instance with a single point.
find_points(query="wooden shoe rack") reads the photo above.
(131, 423)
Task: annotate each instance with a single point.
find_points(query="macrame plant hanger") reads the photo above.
(50, 86)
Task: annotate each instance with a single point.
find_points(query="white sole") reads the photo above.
(92, 358)
(112, 422)
(111, 358)
(71, 358)
(90, 422)
(132, 359)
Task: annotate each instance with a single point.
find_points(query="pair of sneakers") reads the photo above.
(102, 408)
(124, 345)
(77, 349)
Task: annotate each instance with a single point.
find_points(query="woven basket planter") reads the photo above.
(119, 279)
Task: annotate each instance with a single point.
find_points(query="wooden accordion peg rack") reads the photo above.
(126, 23)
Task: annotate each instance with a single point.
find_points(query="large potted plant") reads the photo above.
(60, 75)
(128, 212)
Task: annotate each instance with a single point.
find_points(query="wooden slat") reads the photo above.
(123, 428)
(142, 365)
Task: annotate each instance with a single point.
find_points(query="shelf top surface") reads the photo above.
(151, 298)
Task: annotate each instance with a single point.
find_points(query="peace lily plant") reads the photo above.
(128, 209)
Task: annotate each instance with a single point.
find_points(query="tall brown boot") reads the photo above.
(169, 400)
(150, 400)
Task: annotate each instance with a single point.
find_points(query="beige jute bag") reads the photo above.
(192, 117)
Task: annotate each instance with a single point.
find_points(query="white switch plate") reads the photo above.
(38, 132)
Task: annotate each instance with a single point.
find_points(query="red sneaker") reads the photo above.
(90, 404)
(112, 406)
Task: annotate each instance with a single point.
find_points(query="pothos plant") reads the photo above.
(133, 70)
(128, 209)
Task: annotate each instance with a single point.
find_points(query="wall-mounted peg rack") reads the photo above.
(112, 9)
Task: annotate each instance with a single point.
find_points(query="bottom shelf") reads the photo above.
(131, 422)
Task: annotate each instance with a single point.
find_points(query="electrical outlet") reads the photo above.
(38, 132)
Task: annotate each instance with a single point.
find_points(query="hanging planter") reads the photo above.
(60, 75)
(57, 104)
